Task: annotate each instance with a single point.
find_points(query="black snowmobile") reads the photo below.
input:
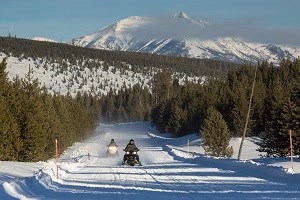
(131, 158)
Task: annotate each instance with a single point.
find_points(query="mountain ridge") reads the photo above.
(142, 34)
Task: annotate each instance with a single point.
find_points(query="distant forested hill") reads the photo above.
(23, 48)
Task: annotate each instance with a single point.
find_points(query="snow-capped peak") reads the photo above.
(181, 36)
(181, 15)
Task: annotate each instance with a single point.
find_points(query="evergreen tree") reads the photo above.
(52, 125)
(33, 131)
(120, 107)
(175, 122)
(9, 130)
(215, 135)
(288, 120)
(158, 116)
(194, 103)
(276, 100)
(66, 133)
(259, 104)
(162, 86)
(109, 106)
(11, 144)
(240, 82)
(3, 78)
(239, 109)
(295, 98)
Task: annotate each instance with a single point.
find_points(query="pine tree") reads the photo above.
(61, 106)
(3, 78)
(11, 144)
(33, 131)
(239, 109)
(240, 83)
(109, 106)
(52, 124)
(158, 116)
(215, 135)
(259, 103)
(288, 120)
(162, 86)
(276, 100)
(9, 130)
(120, 107)
(276, 142)
(295, 98)
(175, 122)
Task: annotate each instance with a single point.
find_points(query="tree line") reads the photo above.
(218, 108)
(86, 57)
(31, 119)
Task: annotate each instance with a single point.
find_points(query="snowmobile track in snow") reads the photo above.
(166, 173)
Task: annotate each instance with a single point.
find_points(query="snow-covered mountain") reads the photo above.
(181, 36)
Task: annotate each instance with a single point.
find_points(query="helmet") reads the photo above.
(131, 141)
(112, 140)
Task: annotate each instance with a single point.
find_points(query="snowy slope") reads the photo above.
(169, 171)
(140, 34)
(112, 37)
(78, 78)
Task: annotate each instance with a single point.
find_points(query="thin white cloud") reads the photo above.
(247, 30)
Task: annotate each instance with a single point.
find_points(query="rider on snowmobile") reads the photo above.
(131, 147)
(112, 148)
(112, 143)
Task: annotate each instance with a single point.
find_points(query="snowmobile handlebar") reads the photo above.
(136, 150)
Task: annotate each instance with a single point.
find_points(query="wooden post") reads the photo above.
(247, 117)
(291, 149)
(56, 157)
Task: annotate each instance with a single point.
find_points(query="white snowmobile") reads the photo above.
(112, 149)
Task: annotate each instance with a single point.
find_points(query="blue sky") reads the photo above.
(66, 19)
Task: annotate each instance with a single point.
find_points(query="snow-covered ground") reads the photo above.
(77, 78)
(172, 168)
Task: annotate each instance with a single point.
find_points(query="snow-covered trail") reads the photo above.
(165, 173)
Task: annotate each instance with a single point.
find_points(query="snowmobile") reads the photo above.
(112, 151)
(131, 158)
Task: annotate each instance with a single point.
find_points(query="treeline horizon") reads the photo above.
(138, 62)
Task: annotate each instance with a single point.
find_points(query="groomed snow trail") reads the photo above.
(164, 174)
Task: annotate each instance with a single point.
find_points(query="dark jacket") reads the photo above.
(112, 144)
(131, 147)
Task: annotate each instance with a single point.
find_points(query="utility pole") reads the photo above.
(247, 117)
(291, 149)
